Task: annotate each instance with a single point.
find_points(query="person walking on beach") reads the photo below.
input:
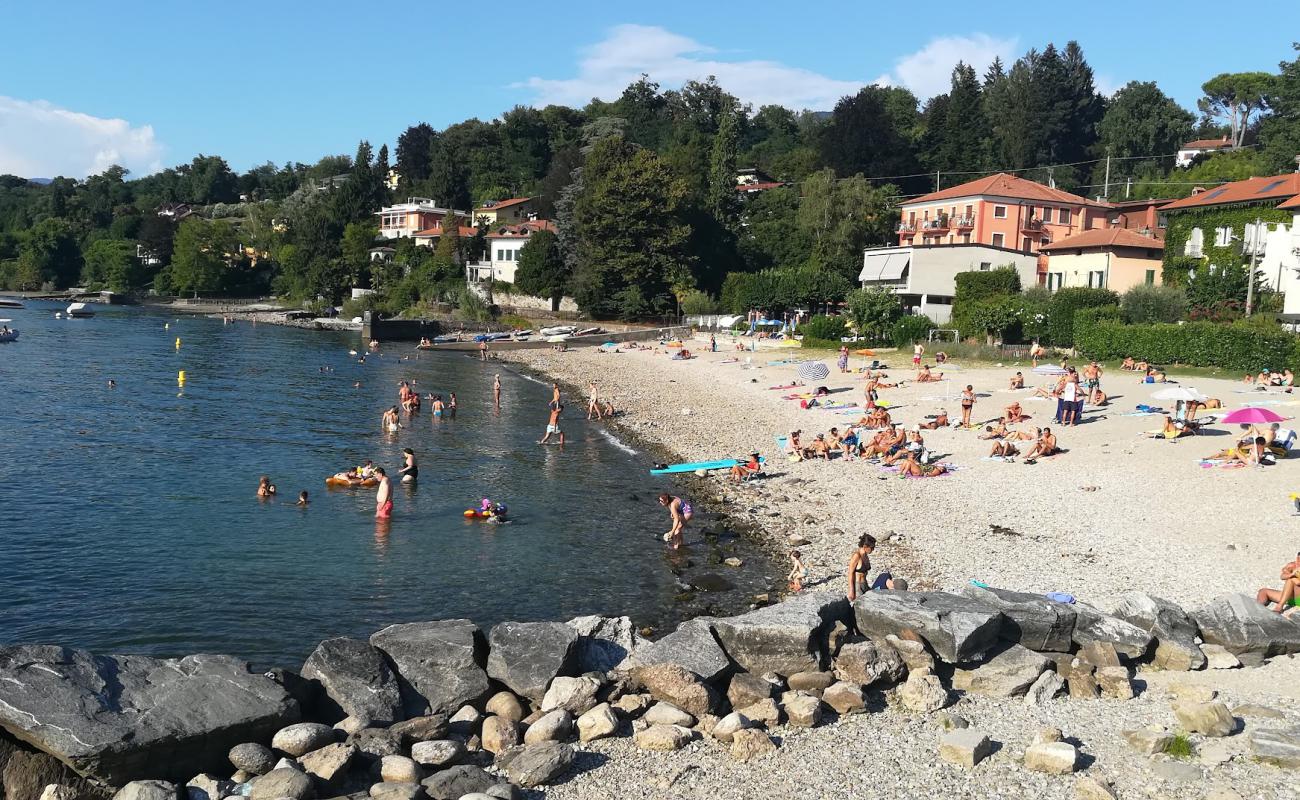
(410, 470)
(1035, 353)
(844, 358)
(681, 512)
(496, 391)
(918, 350)
(1092, 381)
(593, 403)
(967, 403)
(713, 343)
(383, 497)
(553, 426)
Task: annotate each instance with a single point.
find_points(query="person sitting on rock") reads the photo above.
(1286, 597)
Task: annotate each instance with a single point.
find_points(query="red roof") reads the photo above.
(1004, 185)
(1294, 202)
(500, 204)
(1106, 237)
(522, 230)
(1207, 144)
(1251, 190)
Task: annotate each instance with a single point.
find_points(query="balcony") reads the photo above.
(1031, 225)
(907, 228)
(935, 227)
(964, 223)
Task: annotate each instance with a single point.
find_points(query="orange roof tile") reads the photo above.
(1252, 190)
(522, 229)
(1294, 202)
(1206, 144)
(1105, 237)
(500, 204)
(1004, 185)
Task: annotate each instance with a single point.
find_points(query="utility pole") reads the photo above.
(1107, 194)
(1128, 187)
(936, 180)
(1250, 278)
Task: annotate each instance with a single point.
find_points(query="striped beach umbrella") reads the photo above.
(813, 371)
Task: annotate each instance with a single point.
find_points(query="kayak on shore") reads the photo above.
(725, 463)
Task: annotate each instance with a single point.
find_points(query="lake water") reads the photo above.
(129, 522)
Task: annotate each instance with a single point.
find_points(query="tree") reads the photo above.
(1279, 132)
(873, 311)
(841, 217)
(541, 270)
(1235, 96)
(447, 253)
(414, 147)
(723, 203)
(111, 262)
(50, 252)
(1141, 121)
(358, 239)
(448, 176)
(155, 236)
(863, 137)
(964, 125)
(203, 250)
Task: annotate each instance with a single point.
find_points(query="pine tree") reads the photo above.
(964, 125)
(722, 200)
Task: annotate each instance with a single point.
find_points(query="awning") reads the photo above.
(884, 266)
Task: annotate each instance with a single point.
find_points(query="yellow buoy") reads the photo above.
(178, 342)
(180, 378)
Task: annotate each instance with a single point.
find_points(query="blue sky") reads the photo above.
(86, 83)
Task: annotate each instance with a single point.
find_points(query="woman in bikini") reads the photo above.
(911, 468)
(681, 512)
(967, 404)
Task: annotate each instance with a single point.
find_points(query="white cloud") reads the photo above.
(928, 71)
(41, 140)
(607, 67)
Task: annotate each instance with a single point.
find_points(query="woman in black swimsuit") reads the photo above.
(410, 471)
(860, 565)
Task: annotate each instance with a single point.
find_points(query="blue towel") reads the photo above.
(1060, 597)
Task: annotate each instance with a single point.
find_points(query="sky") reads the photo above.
(151, 84)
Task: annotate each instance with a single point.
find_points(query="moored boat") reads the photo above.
(79, 311)
(7, 334)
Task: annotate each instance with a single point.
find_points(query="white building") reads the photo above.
(1282, 256)
(504, 245)
(415, 215)
(925, 277)
(1191, 150)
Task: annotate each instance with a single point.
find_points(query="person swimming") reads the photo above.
(498, 513)
(302, 498)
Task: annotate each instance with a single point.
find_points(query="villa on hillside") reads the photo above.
(752, 180)
(495, 212)
(1111, 258)
(504, 244)
(416, 215)
(1189, 151)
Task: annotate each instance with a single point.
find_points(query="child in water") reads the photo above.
(798, 573)
(498, 514)
(302, 498)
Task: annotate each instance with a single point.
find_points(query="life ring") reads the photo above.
(474, 513)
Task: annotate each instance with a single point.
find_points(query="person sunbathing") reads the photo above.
(936, 421)
(1017, 381)
(1023, 436)
(1045, 446)
(991, 432)
(1211, 402)
(1043, 391)
(849, 444)
(878, 418)
(1174, 428)
(1284, 598)
(1129, 364)
(925, 376)
(747, 469)
(1013, 413)
(819, 448)
(1264, 378)
(1004, 449)
(885, 443)
(1249, 379)
(833, 439)
(1153, 375)
(1142, 366)
(911, 467)
(793, 446)
(1288, 378)
(914, 443)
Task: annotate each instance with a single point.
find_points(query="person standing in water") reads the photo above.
(390, 420)
(410, 470)
(451, 404)
(482, 350)
(496, 391)
(593, 403)
(555, 395)
(383, 497)
(681, 512)
(553, 425)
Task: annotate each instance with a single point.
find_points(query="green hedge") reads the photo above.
(811, 342)
(1066, 303)
(824, 327)
(910, 329)
(1235, 347)
(976, 285)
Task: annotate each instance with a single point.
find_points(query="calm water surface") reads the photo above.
(129, 522)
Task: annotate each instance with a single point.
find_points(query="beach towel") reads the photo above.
(1060, 597)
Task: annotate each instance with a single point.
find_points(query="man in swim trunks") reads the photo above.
(1045, 446)
(1017, 381)
(918, 350)
(553, 425)
(383, 497)
(1284, 598)
(1092, 380)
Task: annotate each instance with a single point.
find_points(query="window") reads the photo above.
(1064, 216)
(985, 266)
(501, 255)
(998, 238)
(999, 212)
(1194, 243)
(965, 238)
(970, 210)
(1097, 279)
(1026, 243)
(1271, 187)
(1222, 236)
(1151, 277)
(1054, 280)
(1163, 221)
(911, 217)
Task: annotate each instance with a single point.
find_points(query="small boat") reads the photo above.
(6, 302)
(558, 330)
(726, 463)
(7, 334)
(587, 331)
(79, 311)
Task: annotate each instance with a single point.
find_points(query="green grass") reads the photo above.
(1180, 747)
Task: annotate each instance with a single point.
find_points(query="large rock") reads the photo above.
(1174, 631)
(499, 734)
(575, 695)
(1246, 629)
(282, 783)
(526, 656)
(662, 737)
(148, 790)
(454, 783)
(1008, 674)
(673, 684)
(439, 664)
(302, 738)
(1276, 746)
(956, 628)
(252, 757)
(785, 638)
(751, 743)
(845, 698)
(554, 726)
(427, 728)
(802, 710)
(1055, 758)
(1212, 719)
(117, 718)
(24, 774)
(540, 764)
(604, 643)
(597, 723)
(1030, 620)
(438, 753)
(329, 764)
(746, 689)
(1094, 625)
(668, 714)
(866, 663)
(922, 693)
(357, 680)
(692, 646)
(965, 747)
(1044, 688)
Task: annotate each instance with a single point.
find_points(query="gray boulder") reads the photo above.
(1030, 620)
(526, 656)
(956, 628)
(118, 718)
(24, 774)
(301, 738)
(539, 764)
(282, 783)
(865, 663)
(693, 646)
(1174, 631)
(439, 664)
(1007, 674)
(147, 790)
(785, 638)
(1246, 629)
(745, 689)
(252, 757)
(1276, 746)
(1094, 625)
(454, 783)
(357, 680)
(604, 643)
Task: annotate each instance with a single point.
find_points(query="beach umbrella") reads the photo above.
(1049, 369)
(813, 371)
(1252, 415)
(1185, 394)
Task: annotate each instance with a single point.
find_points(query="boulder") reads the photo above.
(201, 787)
(673, 684)
(26, 773)
(252, 757)
(965, 748)
(867, 663)
(913, 652)
(453, 783)
(1008, 674)
(633, 705)
(813, 683)
(1045, 735)
(438, 753)
(746, 689)
(1054, 758)
(764, 712)
(1218, 657)
(1086, 787)
(527, 656)
(1030, 620)
(751, 743)
(1150, 740)
(956, 628)
(1081, 682)
(1246, 629)
(845, 698)
(1280, 746)
(597, 723)
(553, 726)
(604, 643)
(439, 664)
(1115, 682)
(356, 679)
(922, 693)
(400, 769)
(302, 738)
(539, 764)
(506, 705)
(662, 737)
(727, 727)
(1094, 625)
(802, 710)
(118, 718)
(426, 728)
(389, 790)
(148, 790)
(785, 638)
(668, 714)
(374, 743)
(692, 646)
(502, 791)
(57, 791)
(1174, 631)
(282, 783)
(1100, 654)
(330, 763)
(1048, 685)
(575, 695)
(1212, 719)
(499, 734)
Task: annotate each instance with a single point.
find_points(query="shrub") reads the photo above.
(1145, 304)
(873, 311)
(697, 303)
(830, 329)
(911, 329)
(1064, 305)
(978, 285)
(1237, 347)
(810, 342)
(515, 322)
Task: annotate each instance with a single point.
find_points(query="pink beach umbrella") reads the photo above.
(1252, 415)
